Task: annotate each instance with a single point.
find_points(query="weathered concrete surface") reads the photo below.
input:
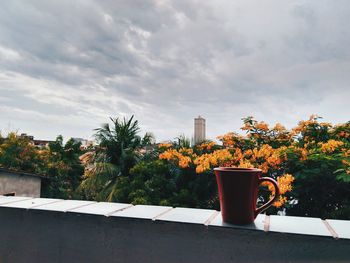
(49, 236)
(20, 184)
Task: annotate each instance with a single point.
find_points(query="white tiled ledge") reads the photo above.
(338, 229)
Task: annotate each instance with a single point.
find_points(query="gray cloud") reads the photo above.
(65, 67)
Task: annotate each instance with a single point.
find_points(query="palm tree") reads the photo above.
(117, 152)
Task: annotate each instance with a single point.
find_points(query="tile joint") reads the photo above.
(211, 218)
(330, 229)
(12, 202)
(162, 213)
(49, 203)
(71, 209)
(118, 210)
(267, 223)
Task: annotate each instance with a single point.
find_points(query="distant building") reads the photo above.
(41, 143)
(85, 144)
(14, 183)
(38, 143)
(29, 137)
(199, 130)
(79, 140)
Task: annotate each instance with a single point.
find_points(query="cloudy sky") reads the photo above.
(66, 66)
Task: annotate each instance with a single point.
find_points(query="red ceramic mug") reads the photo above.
(238, 193)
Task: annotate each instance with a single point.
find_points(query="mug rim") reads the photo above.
(237, 169)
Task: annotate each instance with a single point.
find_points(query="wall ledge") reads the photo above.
(338, 229)
(54, 230)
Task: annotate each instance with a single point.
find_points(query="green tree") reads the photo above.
(108, 165)
(318, 191)
(151, 183)
(63, 168)
(322, 180)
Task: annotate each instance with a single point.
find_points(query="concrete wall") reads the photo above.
(34, 235)
(21, 184)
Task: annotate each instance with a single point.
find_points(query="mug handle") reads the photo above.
(270, 202)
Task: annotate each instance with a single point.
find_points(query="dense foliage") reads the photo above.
(107, 167)
(17, 153)
(311, 163)
(59, 162)
(63, 167)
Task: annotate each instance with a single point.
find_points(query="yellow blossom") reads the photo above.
(165, 145)
(179, 157)
(281, 200)
(245, 164)
(279, 127)
(206, 146)
(331, 146)
(205, 161)
(262, 126)
(284, 184)
(184, 161)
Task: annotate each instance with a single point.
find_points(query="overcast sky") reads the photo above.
(66, 66)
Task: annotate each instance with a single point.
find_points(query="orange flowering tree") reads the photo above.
(17, 153)
(285, 155)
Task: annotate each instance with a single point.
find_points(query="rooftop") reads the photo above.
(3, 170)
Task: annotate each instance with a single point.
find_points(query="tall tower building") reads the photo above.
(199, 130)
